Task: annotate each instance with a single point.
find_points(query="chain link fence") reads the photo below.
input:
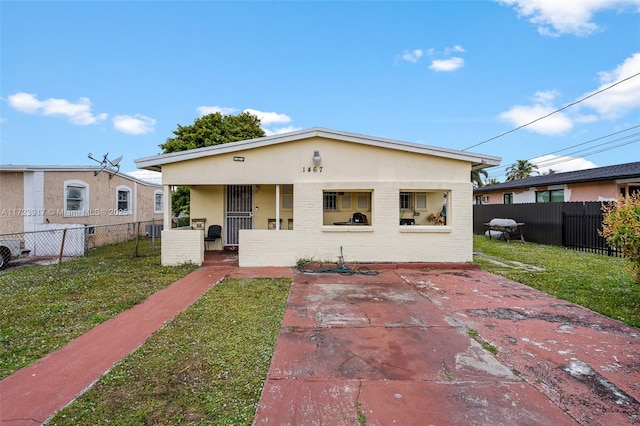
(56, 242)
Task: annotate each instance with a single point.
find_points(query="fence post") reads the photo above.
(137, 237)
(64, 236)
(153, 235)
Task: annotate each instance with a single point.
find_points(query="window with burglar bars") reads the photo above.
(330, 201)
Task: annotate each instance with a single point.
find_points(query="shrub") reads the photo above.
(621, 228)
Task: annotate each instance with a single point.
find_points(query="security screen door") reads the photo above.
(239, 211)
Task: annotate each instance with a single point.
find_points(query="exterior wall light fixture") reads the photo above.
(316, 158)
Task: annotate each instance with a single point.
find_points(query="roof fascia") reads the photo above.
(155, 162)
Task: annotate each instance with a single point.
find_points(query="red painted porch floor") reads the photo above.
(402, 347)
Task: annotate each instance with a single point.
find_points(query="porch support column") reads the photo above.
(166, 209)
(277, 207)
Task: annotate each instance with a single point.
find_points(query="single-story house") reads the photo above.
(39, 198)
(317, 193)
(596, 184)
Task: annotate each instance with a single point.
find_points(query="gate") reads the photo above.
(239, 211)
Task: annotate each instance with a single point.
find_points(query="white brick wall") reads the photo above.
(182, 246)
(384, 241)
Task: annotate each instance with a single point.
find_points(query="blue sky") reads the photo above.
(118, 77)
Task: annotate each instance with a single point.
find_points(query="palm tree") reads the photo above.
(476, 177)
(521, 169)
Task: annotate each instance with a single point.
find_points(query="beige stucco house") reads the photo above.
(295, 196)
(38, 198)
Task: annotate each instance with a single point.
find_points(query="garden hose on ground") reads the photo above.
(340, 268)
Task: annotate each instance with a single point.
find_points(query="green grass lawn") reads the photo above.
(595, 281)
(42, 308)
(207, 366)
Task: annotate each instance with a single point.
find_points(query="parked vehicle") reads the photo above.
(11, 249)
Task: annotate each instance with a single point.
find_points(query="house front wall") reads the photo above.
(34, 198)
(11, 202)
(345, 167)
(575, 192)
(102, 207)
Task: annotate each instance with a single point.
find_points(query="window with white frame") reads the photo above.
(123, 200)
(76, 198)
(158, 201)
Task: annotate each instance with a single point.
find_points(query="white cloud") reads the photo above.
(280, 130)
(561, 163)
(609, 104)
(557, 17)
(622, 98)
(413, 56)
(520, 115)
(206, 110)
(455, 49)
(450, 64)
(269, 118)
(133, 125)
(77, 112)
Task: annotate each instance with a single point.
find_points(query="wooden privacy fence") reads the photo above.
(573, 225)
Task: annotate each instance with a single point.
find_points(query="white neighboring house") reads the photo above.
(310, 193)
(48, 198)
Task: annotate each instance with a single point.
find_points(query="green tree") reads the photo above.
(521, 169)
(208, 130)
(180, 201)
(621, 228)
(492, 181)
(213, 129)
(476, 177)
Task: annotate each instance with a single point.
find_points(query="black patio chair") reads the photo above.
(214, 232)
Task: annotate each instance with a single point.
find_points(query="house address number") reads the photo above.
(317, 169)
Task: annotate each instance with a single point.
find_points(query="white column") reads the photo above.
(166, 210)
(277, 207)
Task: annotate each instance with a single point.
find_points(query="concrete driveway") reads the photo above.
(412, 347)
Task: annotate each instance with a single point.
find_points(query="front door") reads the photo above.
(239, 211)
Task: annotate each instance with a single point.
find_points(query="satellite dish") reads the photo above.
(116, 161)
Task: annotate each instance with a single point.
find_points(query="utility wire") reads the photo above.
(554, 112)
(496, 170)
(566, 160)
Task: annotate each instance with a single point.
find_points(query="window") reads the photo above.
(123, 200)
(330, 201)
(349, 207)
(76, 198)
(405, 201)
(364, 200)
(479, 199)
(345, 200)
(158, 202)
(550, 196)
(287, 197)
(507, 198)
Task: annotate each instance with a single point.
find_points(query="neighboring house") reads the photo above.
(47, 198)
(597, 184)
(283, 198)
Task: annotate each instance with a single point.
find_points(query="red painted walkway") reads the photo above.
(406, 347)
(394, 348)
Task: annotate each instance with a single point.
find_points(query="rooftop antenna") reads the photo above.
(111, 166)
